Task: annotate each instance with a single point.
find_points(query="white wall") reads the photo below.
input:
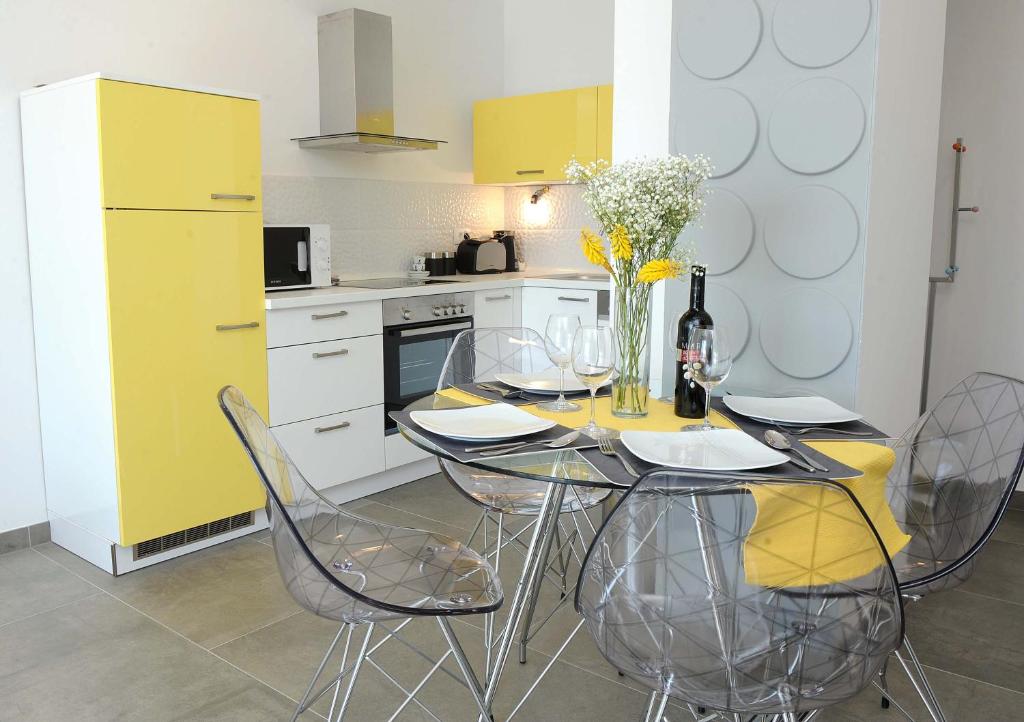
(907, 97)
(447, 53)
(979, 324)
(557, 45)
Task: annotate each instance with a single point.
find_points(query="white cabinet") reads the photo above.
(539, 303)
(309, 324)
(326, 382)
(497, 308)
(315, 379)
(333, 449)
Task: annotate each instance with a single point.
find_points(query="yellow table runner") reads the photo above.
(778, 550)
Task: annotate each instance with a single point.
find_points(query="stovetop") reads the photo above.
(391, 282)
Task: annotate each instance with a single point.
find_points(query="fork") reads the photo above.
(604, 445)
(800, 432)
(502, 392)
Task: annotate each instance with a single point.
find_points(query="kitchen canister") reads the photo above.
(435, 263)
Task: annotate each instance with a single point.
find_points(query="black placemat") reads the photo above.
(525, 398)
(457, 449)
(757, 428)
(612, 468)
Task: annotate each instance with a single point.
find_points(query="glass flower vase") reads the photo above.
(631, 319)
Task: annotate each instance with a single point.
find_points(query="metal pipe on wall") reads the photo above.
(950, 272)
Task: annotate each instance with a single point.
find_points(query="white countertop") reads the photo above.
(347, 294)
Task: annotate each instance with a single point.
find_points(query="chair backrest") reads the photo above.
(956, 469)
(480, 353)
(741, 595)
(339, 565)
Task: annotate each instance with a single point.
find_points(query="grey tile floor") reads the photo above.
(214, 636)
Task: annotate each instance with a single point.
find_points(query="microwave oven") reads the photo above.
(296, 256)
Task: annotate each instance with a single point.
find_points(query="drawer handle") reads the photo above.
(529, 172)
(497, 298)
(322, 429)
(232, 197)
(237, 326)
(326, 354)
(322, 316)
(574, 299)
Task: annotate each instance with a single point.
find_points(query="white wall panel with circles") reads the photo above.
(779, 94)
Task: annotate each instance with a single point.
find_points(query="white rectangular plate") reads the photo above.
(715, 450)
(811, 410)
(543, 382)
(481, 423)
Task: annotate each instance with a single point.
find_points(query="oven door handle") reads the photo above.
(406, 333)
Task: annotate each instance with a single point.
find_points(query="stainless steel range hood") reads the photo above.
(357, 86)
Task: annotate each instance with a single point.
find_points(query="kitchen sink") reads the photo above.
(577, 277)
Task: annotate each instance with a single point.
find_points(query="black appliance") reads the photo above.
(418, 334)
(487, 255)
(296, 256)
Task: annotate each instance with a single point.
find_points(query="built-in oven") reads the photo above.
(418, 334)
(296, 256)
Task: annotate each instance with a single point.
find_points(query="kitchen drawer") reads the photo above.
(333, 449)
(498, 308)
(290, 326)
(316, 379)
(539, 303)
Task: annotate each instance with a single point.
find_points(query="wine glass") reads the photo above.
(710, 363)
(593, 358)
(558, 336)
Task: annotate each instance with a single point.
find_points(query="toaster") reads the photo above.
(486, 255)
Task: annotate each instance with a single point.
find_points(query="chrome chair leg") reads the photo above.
(341, 675)
(884, 682)
(464, 666)
(355, 672)
(918, 678)
(656, 703)
(320, 670)
(920, 681)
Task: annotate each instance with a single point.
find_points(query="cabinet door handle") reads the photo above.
(574, 299)
(326, 354)
(530, 172)
(237, 326)
(497, 298)
(232, 197)
(322, 316)
(322, 429)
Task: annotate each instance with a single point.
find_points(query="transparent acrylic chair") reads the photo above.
(476, 356)
(741, 596)
(359, 572)
(956, 469)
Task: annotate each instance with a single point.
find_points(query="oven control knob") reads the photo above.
(450, 310)
(406, 314)
(462, 308)
(438, 311)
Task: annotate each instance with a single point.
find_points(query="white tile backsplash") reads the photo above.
(554, 244)
(377, 226)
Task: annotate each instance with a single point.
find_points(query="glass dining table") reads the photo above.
(564, 471)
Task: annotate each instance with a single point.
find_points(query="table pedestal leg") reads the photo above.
(532, 565)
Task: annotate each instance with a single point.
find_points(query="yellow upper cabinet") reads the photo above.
(163, 148)
(530, 138)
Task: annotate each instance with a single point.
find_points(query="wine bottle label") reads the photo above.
(685, 356)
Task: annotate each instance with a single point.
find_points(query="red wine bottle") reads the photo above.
(689, 394)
